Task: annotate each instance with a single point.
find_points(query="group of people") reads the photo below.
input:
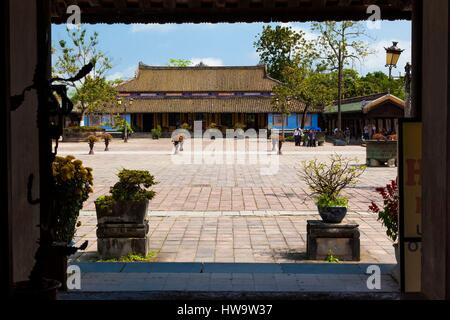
(308, 137)
(371, 130)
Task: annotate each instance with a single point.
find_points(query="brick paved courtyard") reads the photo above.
(230, 212)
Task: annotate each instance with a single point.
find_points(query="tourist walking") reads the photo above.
(347, 135)
(366, 133)
(274, 136)
(297, 137)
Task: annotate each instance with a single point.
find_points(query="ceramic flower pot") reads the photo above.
(332, 214)
(396, 270)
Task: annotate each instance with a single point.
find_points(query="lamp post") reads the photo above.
(130, 102)
(392, 55)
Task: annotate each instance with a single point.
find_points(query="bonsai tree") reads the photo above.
(107, 138)
(212, 125)
(128, 199)
(92, 139)
(239, 125)
(185, 126)
(326, 180)
(156, 132)
(133, 186)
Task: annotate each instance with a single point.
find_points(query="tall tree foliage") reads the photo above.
(309, 87)
(340, 44)
(289, 58)
(278, 47)
(94, 92)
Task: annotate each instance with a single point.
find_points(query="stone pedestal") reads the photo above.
(115, 240)
(341, 239)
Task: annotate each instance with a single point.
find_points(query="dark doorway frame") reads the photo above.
(43, 70)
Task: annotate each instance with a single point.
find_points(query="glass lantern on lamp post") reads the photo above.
(392, 55)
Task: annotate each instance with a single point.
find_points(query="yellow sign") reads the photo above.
(412, 179)
(411, 218)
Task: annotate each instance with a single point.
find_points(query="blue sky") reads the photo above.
(216, 44)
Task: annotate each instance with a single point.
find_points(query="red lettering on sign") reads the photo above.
(418, 205)
(413, 169)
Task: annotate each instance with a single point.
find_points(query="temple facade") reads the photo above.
(222, 97)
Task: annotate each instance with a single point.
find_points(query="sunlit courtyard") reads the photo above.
(223, 205)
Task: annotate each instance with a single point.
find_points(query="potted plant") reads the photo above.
(120, 124)
(156, 132)
(129, 198)
(185, 126)
(388, 215)
(327, 180)
(91, 141)
(107, 138)
(320, 137)
(71, 186)
(239, 128)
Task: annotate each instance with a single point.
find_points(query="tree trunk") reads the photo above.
(305, 111)
(339, 101)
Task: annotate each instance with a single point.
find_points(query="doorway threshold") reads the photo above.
(159, 279)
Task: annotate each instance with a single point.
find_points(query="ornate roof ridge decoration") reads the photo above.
(144, 66)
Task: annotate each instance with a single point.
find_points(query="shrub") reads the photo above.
(239, 125)
(104, 202)
(327, 180)
(325, 201)
(106, 137)
(120, 123)
(185, 126)
(82, 129)
(389, 214)
(133, 186)
(72, 184)
(92, 139)
(156, 132)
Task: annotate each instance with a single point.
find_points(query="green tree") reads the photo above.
(304, 84)
(340, 44)
(179, 63)
(377, 82)
(94, 92)
(278, 47)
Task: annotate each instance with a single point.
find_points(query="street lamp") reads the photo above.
(130, 102)
(392, 55)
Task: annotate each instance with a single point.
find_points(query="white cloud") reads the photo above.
(125, 74)
(377, 60)
(153, 27)
(209, 61)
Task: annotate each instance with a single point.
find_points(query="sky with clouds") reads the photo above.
(217, 44)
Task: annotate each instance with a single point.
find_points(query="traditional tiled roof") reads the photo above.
(199, 79)
(205, 105)
(365, 103)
